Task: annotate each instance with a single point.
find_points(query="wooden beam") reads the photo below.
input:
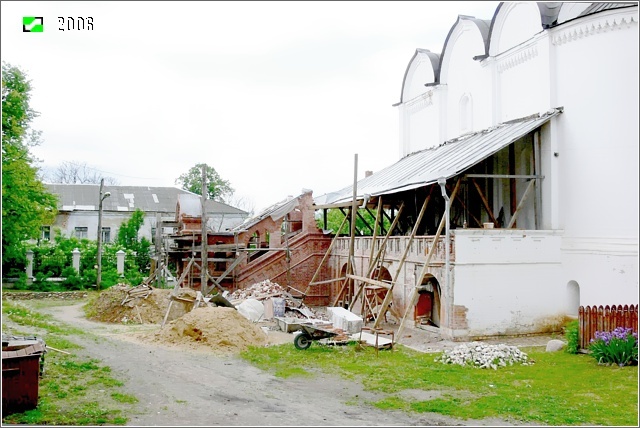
(344, 284)
(364, 221)
(521, 204)
(204, 271)
(369, 281)
(425, 267)
(373, 244)
(352, 219)
(523, 176)
(461, 202)
(374, 263)
(230, 268)
(328, 281)
(485, 202)
(389, 295)
(536, 168)
(326, 255)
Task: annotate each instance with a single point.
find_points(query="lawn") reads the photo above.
(557, 389)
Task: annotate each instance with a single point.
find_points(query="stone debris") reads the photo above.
(267, 291)
(124, 304)
(481, 355)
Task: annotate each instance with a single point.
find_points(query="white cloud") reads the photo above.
(276, 96)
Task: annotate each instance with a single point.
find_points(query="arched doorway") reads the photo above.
(427, 310)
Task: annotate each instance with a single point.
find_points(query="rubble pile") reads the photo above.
(216, 329)
(258, 291)
(143, 304)
(265, 290)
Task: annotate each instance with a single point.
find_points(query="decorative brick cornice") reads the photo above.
(603, 26)
(517, 58)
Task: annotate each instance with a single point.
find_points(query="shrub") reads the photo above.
(619, 346)
(73, 281)
(571, 333)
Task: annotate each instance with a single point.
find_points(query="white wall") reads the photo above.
(598, 155)
(508, 280)
(589, 157)
(462, 76)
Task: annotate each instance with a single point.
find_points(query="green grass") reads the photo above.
(558, 389)
(74, 390)
(22, 315)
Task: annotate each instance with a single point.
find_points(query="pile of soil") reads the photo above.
(217, 329)
(147, 309)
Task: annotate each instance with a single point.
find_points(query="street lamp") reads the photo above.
(103, 196)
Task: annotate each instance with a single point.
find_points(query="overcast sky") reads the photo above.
(276, 96)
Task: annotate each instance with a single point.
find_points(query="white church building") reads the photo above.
(537, 108)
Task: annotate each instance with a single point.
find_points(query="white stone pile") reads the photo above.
(482, 355)
(259, 291)
(266, 290)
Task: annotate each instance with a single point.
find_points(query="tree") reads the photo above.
(128, 238)
(26, 203)
(217, 188)
(74, 172)
(364, 222)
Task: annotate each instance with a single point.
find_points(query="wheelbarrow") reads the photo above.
(309, 333)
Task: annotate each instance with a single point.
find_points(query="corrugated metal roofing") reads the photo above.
(84, 197)
(445, 161)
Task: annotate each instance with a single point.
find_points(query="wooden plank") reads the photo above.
(370, 281)
(166, 315)
(327, 281)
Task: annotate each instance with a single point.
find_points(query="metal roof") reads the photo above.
(84, 197)
(444, 161)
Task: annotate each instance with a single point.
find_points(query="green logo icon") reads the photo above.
(32, 24)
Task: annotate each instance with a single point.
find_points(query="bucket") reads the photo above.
(278, 306)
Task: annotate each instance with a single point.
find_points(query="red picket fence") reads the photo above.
(598, 318)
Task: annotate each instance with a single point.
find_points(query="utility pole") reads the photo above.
(99, 253)
(204, 250)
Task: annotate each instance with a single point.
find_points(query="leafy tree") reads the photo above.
(217, 188)
(128, 238)
(26, 203)
(335, 217)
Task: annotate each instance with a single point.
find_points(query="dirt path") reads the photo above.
(179, 387)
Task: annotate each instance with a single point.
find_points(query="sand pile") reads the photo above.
(130, 305)
(220, 330)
